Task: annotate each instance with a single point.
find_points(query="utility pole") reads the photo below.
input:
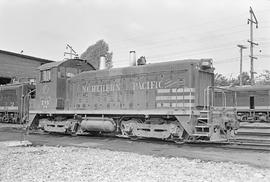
(241, 57)
(71, 51)
(251, 22)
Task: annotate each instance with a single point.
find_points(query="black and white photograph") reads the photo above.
(135, 90)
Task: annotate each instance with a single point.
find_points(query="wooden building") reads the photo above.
(18, 67)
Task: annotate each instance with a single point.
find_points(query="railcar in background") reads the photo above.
(169, 101)
(252, 102)
(14, 102)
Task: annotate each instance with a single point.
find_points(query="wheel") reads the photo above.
(127, 127)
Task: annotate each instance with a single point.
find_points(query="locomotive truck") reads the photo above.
(169, 101)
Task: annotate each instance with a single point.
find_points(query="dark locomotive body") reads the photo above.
(161, 100)
(14, 102)
(252, 102)
(159, 87)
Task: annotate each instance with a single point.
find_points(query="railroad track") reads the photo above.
(248, 138)
(234, 144)
(255, 135)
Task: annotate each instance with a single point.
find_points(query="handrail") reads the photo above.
(204, 99)
(208, 100)
(176, 94)
(24, 110)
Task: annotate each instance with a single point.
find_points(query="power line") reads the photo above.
(169, 42)
(184, 38)
(202, 23)
(213, 21)
(193, 52)
(172, 41)
(151, 34)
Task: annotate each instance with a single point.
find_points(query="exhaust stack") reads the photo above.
(102, 63)
(132, 58)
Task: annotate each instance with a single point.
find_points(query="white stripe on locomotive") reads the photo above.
(181, 105)
(174, 97)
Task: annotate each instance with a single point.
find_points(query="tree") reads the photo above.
(94, 52)
(264, 77)
(245, 79)
(221, 80)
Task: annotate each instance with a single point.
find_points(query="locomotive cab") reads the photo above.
(51, 87)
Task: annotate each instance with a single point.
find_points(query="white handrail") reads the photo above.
(204, 99)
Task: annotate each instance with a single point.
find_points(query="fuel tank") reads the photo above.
(98, 124)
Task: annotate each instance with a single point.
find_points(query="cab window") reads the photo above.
(70, 72)
(61, 72)
(45, 76)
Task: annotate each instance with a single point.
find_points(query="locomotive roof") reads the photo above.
(71, 62)
(148, 68)
(11, 86)
(251, 88)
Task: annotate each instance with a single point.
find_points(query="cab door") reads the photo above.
(251, 102)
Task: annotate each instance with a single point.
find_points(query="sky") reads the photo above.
(160, 30)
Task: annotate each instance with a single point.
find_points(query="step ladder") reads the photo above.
(204, 115)
(202, 129)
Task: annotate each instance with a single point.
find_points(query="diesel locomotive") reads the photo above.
(14, 102)
(169, 101)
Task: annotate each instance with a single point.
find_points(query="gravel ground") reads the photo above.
(86, 164)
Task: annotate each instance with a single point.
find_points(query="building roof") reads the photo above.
(25, 56)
